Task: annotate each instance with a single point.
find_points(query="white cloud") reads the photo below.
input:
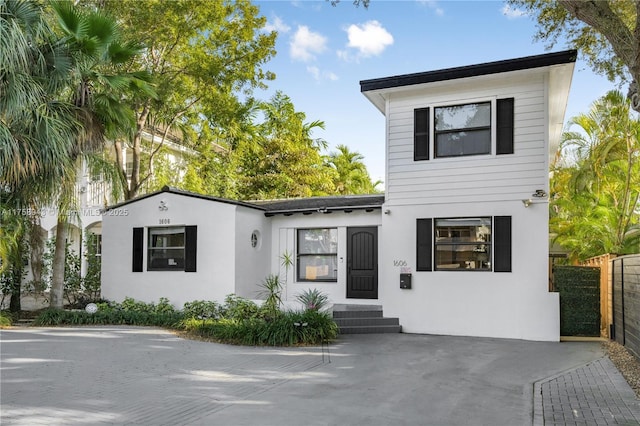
(369, 39)
(277, 24)
(512, 13)
(305, 44)
(321, 75)
(433, 4)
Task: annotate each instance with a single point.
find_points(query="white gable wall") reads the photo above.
(214, 278)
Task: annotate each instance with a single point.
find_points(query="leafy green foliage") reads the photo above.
(289, 328)
(606, 32)
(351, 175)
(595, 186)
(5, 319)
(313, 299)
(202, 309)
(271, 292)
(579, 288)
(238, 321)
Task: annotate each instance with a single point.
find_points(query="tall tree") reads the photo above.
(282, 159)
(96, 86)
(596, 181)
(202, 55)
(606, 32)
(36, 127)
(351, 175)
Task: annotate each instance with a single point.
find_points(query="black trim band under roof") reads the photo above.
(537, 61)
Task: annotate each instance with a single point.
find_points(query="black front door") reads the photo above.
(362, 263)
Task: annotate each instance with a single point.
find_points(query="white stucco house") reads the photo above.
(457, 245)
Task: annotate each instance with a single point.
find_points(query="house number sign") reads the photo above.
(164, 221)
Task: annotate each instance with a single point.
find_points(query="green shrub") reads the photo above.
(5, 319)
(51, 317)
(286, 329)
(237, 308)
(313, 299)
(202, 309)
(271, 292)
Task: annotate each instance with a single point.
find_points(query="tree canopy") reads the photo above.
(595, 186)
(605, 32)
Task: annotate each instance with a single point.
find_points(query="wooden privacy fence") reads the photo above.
(625, 276)
(606, 307)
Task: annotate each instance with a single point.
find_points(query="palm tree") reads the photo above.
(352, 176)
(36, 127)
(596, 189)
(96, 88)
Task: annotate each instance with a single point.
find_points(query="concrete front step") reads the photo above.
(357, 314)
(361, 319)
(368, 329)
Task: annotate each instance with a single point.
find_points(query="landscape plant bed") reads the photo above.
(238, 321)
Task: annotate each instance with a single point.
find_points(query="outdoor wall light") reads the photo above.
(527, 203)
(387, 211)
(540, 193)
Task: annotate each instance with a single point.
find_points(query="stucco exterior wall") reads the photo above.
(513, 304)
(214, 278)
(284, 240)
(252, 264)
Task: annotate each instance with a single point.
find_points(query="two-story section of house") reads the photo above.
(466, 203)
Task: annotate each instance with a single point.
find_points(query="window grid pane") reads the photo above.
(462, 130)
(463, 244)
(317, 258)
(166, 249)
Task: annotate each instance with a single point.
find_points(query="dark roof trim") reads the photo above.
(310, 205)
(528, 62)
(172, 190)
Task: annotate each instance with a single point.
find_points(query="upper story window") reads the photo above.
(464, 129)
(317, 257)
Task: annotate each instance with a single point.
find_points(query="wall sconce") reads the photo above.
(387, 211)
(540, 193)
(163, 206)
(527, 203)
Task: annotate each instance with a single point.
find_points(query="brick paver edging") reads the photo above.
(593, 394)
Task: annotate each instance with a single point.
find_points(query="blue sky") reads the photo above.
(324, 52)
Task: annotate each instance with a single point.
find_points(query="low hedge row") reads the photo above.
(238, 321)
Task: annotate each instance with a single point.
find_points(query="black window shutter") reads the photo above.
(421, 134)
(502, 243)
(504, 130)
(423, 252)
(190, 248)
(138, 247)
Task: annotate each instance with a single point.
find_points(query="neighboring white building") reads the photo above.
(458, 245)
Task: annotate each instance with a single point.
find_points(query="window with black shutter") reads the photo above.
(421, 134)
(423, 252)
(138, 243)
(502, 244)
(504, 126)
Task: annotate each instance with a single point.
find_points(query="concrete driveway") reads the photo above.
(148, 376)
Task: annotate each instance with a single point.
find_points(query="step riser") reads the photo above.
(347, 322)
(357, 314)
(371, 330)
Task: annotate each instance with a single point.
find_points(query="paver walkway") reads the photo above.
(147, 376)
(593, 394)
